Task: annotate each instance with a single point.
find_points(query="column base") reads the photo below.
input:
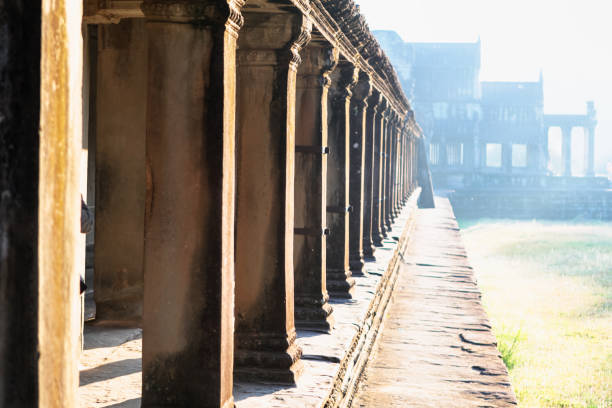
(272, 357)
(356, 267)
(125, 312)
(377, 239)
(314, 314)
(369, 258)
(340, 284)
(368, 252)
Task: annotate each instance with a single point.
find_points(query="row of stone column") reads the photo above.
(308, 208)
(273, 169)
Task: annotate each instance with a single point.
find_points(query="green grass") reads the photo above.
(548, 290)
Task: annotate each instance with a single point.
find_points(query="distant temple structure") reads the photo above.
(484, 134)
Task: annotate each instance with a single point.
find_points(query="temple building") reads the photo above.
(482, 134)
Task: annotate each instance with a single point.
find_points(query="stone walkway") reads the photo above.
(436, 348)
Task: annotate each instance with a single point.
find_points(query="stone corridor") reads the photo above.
(436, 348)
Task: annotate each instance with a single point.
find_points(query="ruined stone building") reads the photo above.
(244, 160)
(484, 134)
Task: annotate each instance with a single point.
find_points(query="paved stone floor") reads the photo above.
(436, 348)
(111, 363)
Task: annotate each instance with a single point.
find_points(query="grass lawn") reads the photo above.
(547, 287)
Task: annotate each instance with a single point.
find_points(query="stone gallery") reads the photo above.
(242, 161)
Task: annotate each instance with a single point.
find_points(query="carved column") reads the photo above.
(268, 59)
(566, 152)
(40, 123)
(311, 146)
(187, 357)
(392, 162)
(368, 208)
(19, 152)
(396, 168)
(389, 142)
(120, 171)
(358, 132)
(378, 166)
(57, 251)
(384, 180)
(402, 169)
(339, 280)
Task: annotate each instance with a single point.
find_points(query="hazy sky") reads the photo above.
(570, 40)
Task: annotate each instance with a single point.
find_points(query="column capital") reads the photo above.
(226, 12)
(344, 79)
(273, 39)
(319, 60)
(374, 101)
(300, 40)
(383, 108)
(362, 90)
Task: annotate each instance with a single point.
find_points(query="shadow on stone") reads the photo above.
(110, 370)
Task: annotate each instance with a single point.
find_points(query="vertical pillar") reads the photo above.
(566, 152)
(187, 356)
(590, 150)
(358, 132)
(19, 152)
(339, 280)
(39, 212)
(389, 142)
(120, 171)
(371, 115)
(312, 309)
(378, 184)
(268, 59)
(397, 177)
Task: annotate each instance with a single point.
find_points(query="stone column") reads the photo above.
(371, 115)
(397, 175)
(389, 142)
(187, 357)
(38, 221)
(42, 248)
(378, 183)
(268, 59)
(566, 152)
(19, 151)
(590, 151)
(384, 180)
(120, 171)
(339, 280)
(311, 307)
(358, 133)
(401, 169)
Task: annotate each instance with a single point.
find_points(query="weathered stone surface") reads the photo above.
(120, 168)
(110, 364)
(267, 76)
(19, 176)
(436, 347)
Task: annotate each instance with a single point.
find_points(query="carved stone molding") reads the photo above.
(345, 78)
(302, 38)
(362, 90)
(217, 11)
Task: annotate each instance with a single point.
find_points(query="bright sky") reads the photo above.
(570, 40)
